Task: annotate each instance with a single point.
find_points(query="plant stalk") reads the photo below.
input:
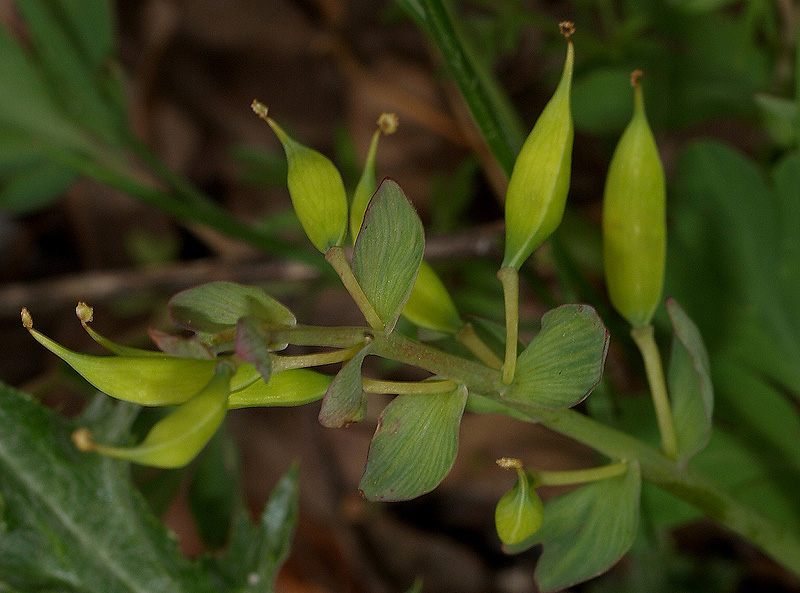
(337, 259)
(509, 278)
(467, 336)
(579, 476)
(643, 336)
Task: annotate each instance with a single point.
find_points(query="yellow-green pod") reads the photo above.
(177, 438)
(520, 512)
(537, 190)
(429, 305)
(145, 380)
(316, 189)
(634, 223)
(292, 387)
(368, 183)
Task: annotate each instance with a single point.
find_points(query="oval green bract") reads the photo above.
(317, 192)
(388, 252)
(217, 306)
(537, 190)
(634, 221)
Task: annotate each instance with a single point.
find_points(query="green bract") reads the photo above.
(316, 189)
(537, 190)
(634, 224)
(388, 252)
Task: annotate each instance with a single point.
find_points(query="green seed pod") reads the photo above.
(292, 387)
(368, 183)
(316, 189)
(143, 377)
(429, 305)
(177, 438)
(537, 190)
(519, 513)
(634, 224)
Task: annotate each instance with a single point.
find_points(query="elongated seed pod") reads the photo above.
(368, 182)
(316, 189)
(143, 377)
(634, 224)
(537, 190)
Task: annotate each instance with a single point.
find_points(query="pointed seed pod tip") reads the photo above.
(83, 439)
(387, 123)
(84, 312)
(509, 463)
(27, 320)
(259, 109)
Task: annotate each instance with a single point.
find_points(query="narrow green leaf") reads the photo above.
(490, 107)
(287, 388)
(35, 187)
(564, 361)
(256, 552)
(414, 446)
(690, 388)
(26, 105)
(73, 522)
(787, 191)
(586, 531)
(388, 251)
(217, 306)
(345, 401)
(92, 24)
(69, 73)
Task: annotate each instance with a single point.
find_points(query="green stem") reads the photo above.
(643, 336)
(337, 259)
(467, 336)
(422, 387)
(302, 361)
(509, 278)
(580, 476)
